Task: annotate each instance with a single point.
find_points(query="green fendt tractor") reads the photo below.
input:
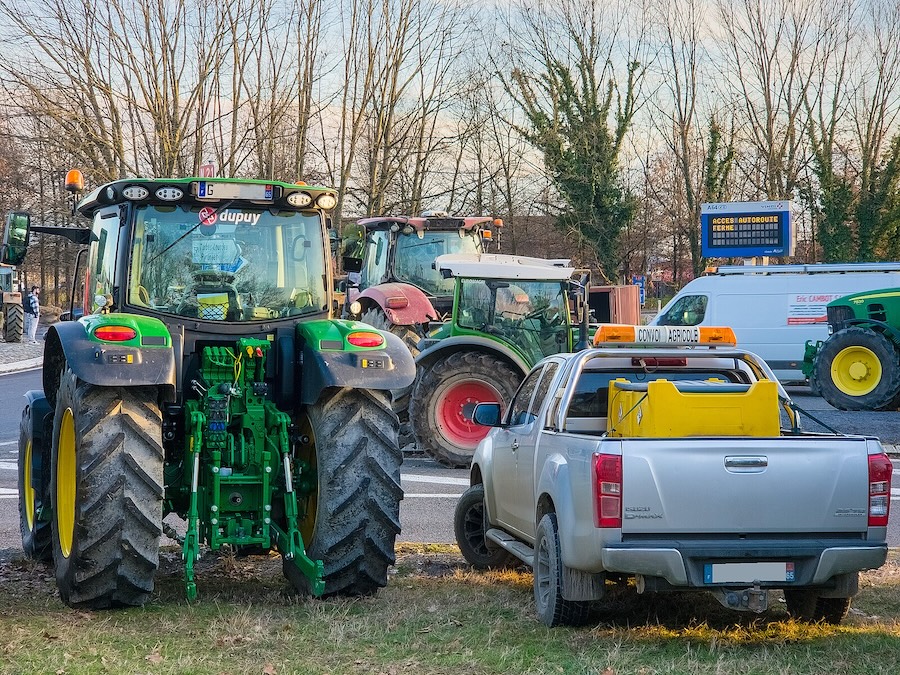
(509, 312)
(208, 378)
(12, 313)
(858, 366)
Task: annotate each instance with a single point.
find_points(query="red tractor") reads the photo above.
(391, 282)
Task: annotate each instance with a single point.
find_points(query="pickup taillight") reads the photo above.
(880, 469)
(607, 490)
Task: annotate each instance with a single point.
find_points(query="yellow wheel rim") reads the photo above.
(307, 506)
(64, 508)
(27, 489)
(856, 371)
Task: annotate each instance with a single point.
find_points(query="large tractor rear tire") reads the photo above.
(351, 519)
(13, 323)
(36, 534)
(107, 490)
(399, 397)
(444, 396)
(858, 369)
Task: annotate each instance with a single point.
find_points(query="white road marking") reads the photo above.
(2, 443)
(9, 493)
(439, 480)
(434, 495)
(8, 466)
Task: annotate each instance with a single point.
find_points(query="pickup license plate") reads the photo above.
(747, 573)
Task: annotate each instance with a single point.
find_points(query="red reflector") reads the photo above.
(259, 351)
(115, 333)
(653, 362)
(880, 470)
(365, 339)
(607, 490)
(396, 302)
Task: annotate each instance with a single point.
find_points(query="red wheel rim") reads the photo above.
(458, 400)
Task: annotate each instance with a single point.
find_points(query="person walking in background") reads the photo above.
(32, 313)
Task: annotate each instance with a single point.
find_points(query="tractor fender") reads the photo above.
(104, 364)
(889, 331)
(403, 304)
(447, 346)
(393, 368)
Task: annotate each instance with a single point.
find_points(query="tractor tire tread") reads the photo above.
(424, 401)
(118, 515)
(359, 494)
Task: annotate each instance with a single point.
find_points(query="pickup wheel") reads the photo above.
(444, 396)
(552, 608)
(469, 525)
(857, 369)
(808, 606)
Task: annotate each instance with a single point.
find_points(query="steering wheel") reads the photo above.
(143, 296)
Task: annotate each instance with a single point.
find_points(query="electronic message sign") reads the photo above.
(746, 229)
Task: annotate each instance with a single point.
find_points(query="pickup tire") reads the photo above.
(808, 606)
(443, 396)
(858, 369)
(469, 525)
(552, 608)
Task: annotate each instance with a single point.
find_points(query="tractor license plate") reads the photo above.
(210, 191)
(747, 573)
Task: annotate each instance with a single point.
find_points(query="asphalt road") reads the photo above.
(431, 491)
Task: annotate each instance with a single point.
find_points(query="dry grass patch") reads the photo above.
(436, 616)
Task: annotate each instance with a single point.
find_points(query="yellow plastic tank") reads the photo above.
(674, 409)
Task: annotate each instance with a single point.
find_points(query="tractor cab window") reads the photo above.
(688, 310)
(414, 257)
(234, 264)
(530, 315)
(101, 273)
(375, 257)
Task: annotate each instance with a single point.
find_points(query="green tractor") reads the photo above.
(12, 313)
(509, 312)
(208, 379)
(858, 366)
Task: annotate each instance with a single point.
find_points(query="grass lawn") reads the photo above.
(435, 616)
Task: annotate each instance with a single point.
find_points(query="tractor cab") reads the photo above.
(520, 302)
(392, 282)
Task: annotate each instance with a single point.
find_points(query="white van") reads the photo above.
(774, 309)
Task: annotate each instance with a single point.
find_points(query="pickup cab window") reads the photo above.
(591, 395)
(520, 411)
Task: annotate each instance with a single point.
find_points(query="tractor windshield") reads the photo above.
(230, 264)
(531, 315)
(414, 257)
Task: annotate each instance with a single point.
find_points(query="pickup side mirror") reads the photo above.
(487, 414)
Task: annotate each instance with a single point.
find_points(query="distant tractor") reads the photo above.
(397, 288)
(208, 378)
(508, 313)
(12, 316)
(858, 366)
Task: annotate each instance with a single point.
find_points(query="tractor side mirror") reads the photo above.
(352, 264)
(15, 238)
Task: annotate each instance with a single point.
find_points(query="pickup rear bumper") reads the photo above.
(815, 563)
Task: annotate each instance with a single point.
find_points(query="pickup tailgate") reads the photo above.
(744, 486)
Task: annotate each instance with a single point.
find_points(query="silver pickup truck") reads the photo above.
(685, 468)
